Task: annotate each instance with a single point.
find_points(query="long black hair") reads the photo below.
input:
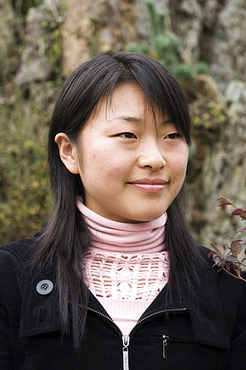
(65, 239)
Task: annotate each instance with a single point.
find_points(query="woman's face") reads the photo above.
(132, 164)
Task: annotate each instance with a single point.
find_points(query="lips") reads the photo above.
(149, 185)
(150, 181)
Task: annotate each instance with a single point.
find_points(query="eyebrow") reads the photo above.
(136, 119)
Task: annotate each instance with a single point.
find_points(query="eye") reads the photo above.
(127, 135)
(174, 135)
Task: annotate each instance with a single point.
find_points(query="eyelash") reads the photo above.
(127, 134)
(130, 135)
(174, 135)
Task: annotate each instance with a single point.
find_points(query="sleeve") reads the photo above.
(9, 304)
(237, 359)
(6, 360)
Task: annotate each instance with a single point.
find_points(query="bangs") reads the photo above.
(96, 80)
(162, 92)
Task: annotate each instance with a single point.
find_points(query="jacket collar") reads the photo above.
(39, 313)
(206, 313)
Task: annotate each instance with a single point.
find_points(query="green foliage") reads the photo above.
(210, 116)
(52, 37)
(142, 48)
(22, 6)
(24, 184)
(184, 73)
(54, 52)
(201, 68)
(157, 18)
(164, 46)
(24, 115)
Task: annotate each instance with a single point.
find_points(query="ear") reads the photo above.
(68, 152)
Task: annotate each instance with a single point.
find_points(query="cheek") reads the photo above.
(179, 165)
(101, 164)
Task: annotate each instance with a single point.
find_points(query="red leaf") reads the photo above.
(236, 248)
(219, 249)
(243, 215)
(237, 212)
(211, 253)
(224, 203)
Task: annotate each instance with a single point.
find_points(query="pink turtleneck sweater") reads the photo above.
(126, 266)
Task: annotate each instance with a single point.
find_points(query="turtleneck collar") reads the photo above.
(112, 236)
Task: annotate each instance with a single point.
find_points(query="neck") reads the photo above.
(112, 236)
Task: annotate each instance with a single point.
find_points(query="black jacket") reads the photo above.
(206, 334)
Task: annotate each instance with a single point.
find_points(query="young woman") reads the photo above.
(114, 279)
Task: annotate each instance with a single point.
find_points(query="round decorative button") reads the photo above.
(44, 287)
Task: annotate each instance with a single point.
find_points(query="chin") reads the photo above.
(148, 217)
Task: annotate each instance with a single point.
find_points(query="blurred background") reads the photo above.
(203, 43)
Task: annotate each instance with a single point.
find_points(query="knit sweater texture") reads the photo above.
(127, 265)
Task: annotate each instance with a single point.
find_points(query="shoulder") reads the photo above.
(16, 252)
(204, 252)
(14, 262)
(20, 286)
(230, 290)
(209, 262)
(216, 271)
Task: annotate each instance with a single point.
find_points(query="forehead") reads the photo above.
(127, 100)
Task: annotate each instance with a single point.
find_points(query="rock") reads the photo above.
(40, 22)
(186, 18)
(77, 33)
(37, 31)
(213, 31)
(235, 95)
(36, 70)
(228, 57)
(236, 92)
(221, 173)
(95, 27)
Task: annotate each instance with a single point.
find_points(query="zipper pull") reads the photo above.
(164, 345)
(126, 341)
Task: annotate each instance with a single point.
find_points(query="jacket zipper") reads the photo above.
(164, 345)
(126, 341)
(126, 338)
(165, 339)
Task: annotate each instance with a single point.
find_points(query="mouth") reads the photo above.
(149, 185)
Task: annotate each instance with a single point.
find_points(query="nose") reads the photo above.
(151, 156)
